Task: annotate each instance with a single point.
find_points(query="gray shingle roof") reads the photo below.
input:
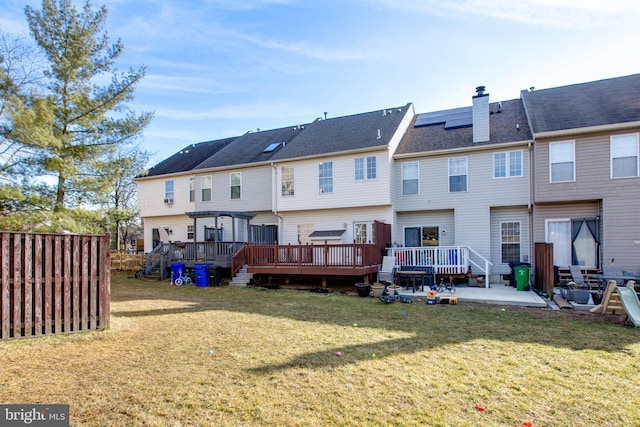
(602, 102)
(249, 148)
(436, 137)
(334, 135)
(189, 157)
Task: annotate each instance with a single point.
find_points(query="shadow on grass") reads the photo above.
(428, 326)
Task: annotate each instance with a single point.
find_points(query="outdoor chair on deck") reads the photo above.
(387, 270)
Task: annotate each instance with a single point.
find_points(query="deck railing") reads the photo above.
(218, 252)
(307, 256)
(444, 259)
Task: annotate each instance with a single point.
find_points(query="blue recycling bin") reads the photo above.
(177, 270)
(202, 278)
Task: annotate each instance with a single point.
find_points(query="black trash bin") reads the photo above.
(215, 274)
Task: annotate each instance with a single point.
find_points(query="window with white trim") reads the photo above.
(235, 180)
(287, 181)
(168, 191)
(507, 164)
(510, 243)
(325, 180)
(363, 232)
(624, 155)
(206, 188)
(562, 161)
(457, 174)
(190, 232)
(365, 168)
(192, 189)
(409, 178)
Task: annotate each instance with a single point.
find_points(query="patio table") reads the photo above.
(413, 276)
(604, 278)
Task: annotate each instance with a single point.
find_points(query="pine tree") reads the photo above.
(86, 122)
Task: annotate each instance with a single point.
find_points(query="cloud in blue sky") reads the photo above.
(216, 68)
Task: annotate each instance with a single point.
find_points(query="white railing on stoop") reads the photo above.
(444, 259)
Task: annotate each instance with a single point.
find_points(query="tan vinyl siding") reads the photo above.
(592, 172)
(558, 211)
(621, 231)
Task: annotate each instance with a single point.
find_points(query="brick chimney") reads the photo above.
(480, 111)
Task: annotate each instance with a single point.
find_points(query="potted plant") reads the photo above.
(364, 289)
(377, 289)
(393, 289)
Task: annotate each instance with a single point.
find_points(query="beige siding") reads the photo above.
(498, 216)
(151, 194)
(333, 219)
(347, 192)
(177, 224)
(443, 219)
(471, 208)
(256, 190)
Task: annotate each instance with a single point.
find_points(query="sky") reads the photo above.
(219, 68)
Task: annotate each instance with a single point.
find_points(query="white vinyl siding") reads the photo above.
(562, 161)
(624, 156)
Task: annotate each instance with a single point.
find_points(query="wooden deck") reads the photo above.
(354, 259)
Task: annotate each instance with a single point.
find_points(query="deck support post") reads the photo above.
(324, 282)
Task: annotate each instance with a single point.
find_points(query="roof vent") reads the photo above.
(480, 90)
(379, 136)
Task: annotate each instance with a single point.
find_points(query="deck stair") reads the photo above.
(242, 278)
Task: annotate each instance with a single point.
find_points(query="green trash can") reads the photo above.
(522, 276)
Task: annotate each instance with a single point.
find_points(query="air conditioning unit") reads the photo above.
(168, 201)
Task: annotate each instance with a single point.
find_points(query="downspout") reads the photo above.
(532, 180)
(274, 199)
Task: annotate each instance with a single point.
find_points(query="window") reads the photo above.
(206, 188)
(575, 241)
(409, 178)
(287, 181)
(363, 232)
(508, 164)
(190, 232)
(367, 171)
(192, 189)
(561, 162)
(624, 156)
(304, 230)
(168, 191)
(236, 185)
(326, 177)
(510, 241)
(458, 174)
(422, 236)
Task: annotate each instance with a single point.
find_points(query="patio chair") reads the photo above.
(577, 276)
(387, 270)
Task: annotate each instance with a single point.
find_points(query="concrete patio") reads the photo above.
(496, 294)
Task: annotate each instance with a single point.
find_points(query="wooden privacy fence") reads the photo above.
(53, 283)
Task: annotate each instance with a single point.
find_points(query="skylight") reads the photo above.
(272, 147)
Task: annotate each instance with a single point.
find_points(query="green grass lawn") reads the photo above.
(187, 356)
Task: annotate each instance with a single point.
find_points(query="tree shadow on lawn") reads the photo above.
(429, 326)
